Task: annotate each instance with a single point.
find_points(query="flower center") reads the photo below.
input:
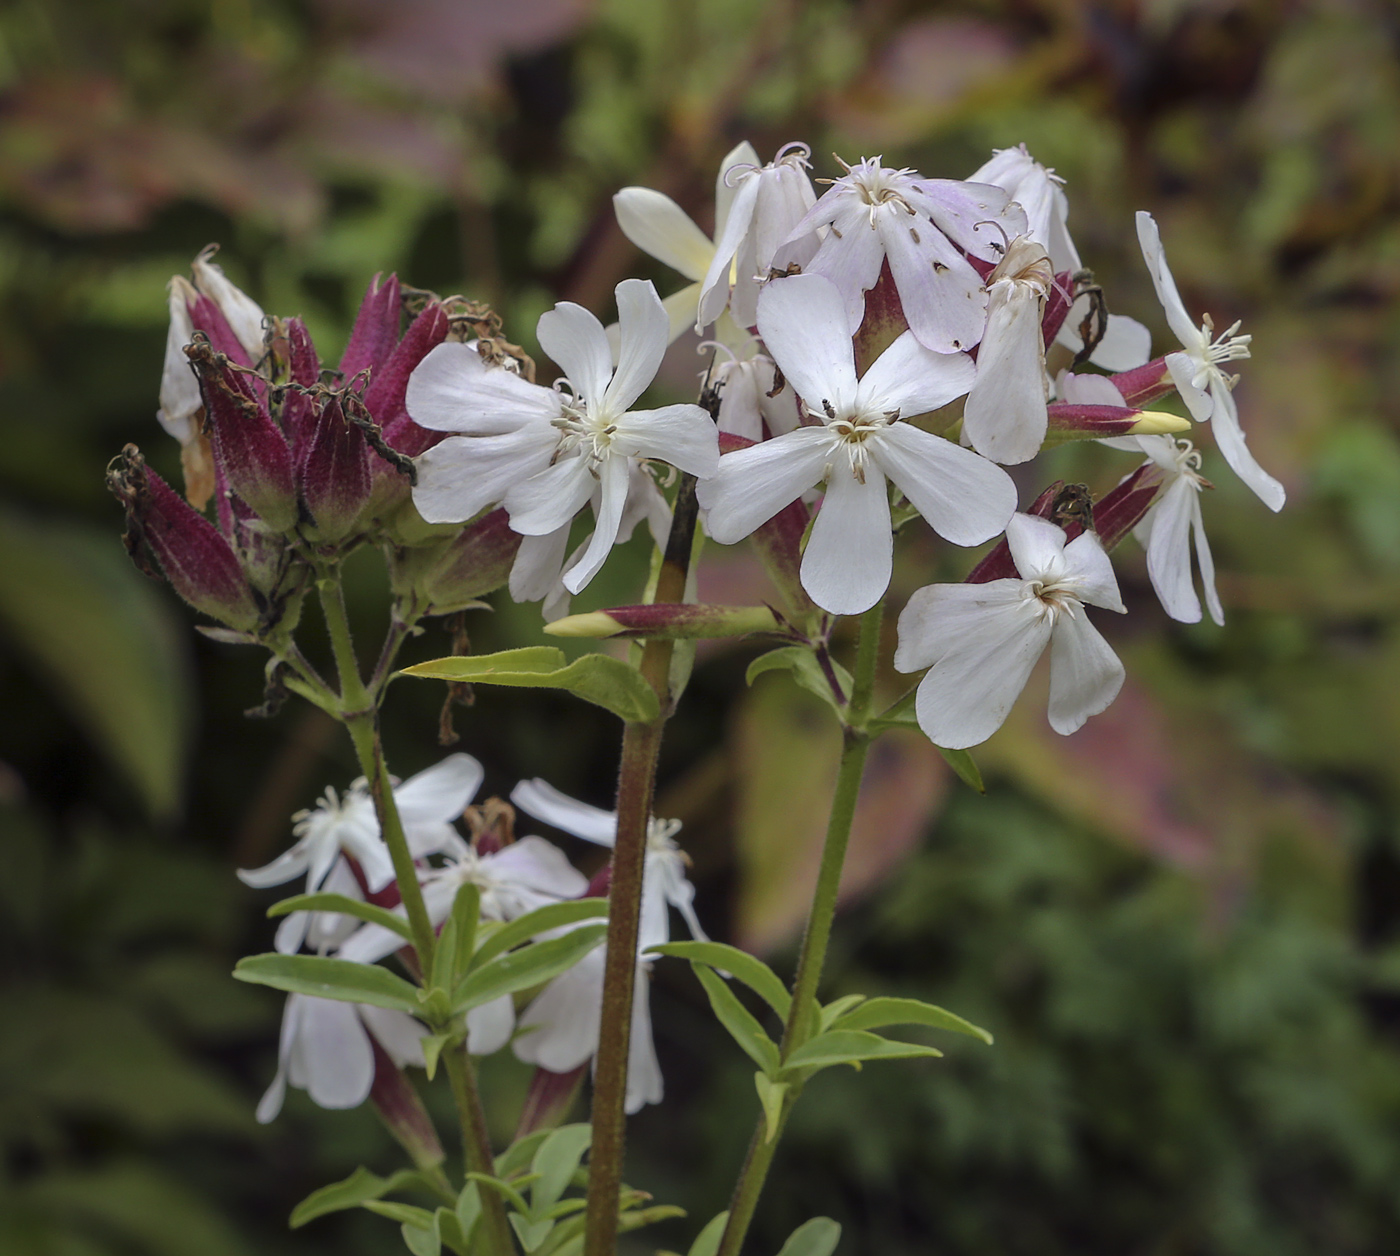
(853, 432)
(592, 436)
(1055, 596)
(1226, 347)
(878, 186)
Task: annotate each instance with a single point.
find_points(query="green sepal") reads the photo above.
(325, 978)
(741, 1023)
(749, 969)
(597, 678)
(541, 920)
(877, 1013)
(433, 1046)
(345, 906)
(817, 1237)
(771, 1095)
(360, 1187)
(801, 661)
(531, 965)
(852, 1047)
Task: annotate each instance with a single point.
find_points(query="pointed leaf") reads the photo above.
(531, 965)
(740, 1022)
(433, 1046)
(419, 1241)
(530, 1233)
(360, 1186)
(541, 920)
(851, 1047)
(346, 906)
(519, 1154)
(749, 969)
(450, 1228)
(901, 715)
(771, 1095)
(838, 1007)
(466, 912)
(330, 979)
(707, 1241)
(559, 1155)
(817, 1237)
(877, 1013)
(802, 662)
(406, 1214)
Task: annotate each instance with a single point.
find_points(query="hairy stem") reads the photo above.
(641, 743)
(819, 921)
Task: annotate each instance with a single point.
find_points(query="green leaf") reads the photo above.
(597, 678)
(330, 979)
(965, 766)
(736, 1018)
(504, 1189)
(541, 920)
(359, 1187)
(802, 662)
(531, 1233)
(771, 1095)
(876, 1013)
(515, 1157)
(466, 914)
(837, 1008)
(105, 637)
(531, 965)
(407, 1214)
(432, 1051)
(817, 1237)
(346, 906)
(749, 969)
(442, 976)
(451, 1231)
(468, 1208)
(851, 1047)
(559, 1155)
(421, 1242)
(707, 1241)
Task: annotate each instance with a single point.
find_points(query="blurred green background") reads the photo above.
(1183, 924)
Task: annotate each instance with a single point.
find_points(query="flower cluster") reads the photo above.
(335, 1050)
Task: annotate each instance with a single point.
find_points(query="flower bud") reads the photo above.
(376, 329)
(1145, 384)
(1072, 421)
(334, 474)
(297, 416)
(188, 550)
(252, 454)
(668, 620)
(476, 562)
(243, 315)
(402, 1111)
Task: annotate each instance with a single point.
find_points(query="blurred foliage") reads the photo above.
(1182, 922)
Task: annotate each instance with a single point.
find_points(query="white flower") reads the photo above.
(858, 443)
(325, 1050)
(1204, 386)
(661, 228)
(1005, 416)
(245, 316)
(180, 400)
(1040, 192)
(757, 234)
(922, 227)
(1169, 527)
(745, 379)
(545, 453)
(559, 1030)
(980, 641)
(514, 880)
(341, 826)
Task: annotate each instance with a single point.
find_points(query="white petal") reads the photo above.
(549, 499)
(1225, 422)
(291, 933)
(559, 1030)
(453, 389)
(1126, 345)
(439, 793)
(540, 799)
(784, 197)
(326, 930)
(397, 1032)
(490, 1026)
(644, 1084)
(985, 639)
(965, 498)
(1085, 674)
(1037, 546)
(1169, 550)
(577, 342)
(850, 256)
(1150, 240)
(1085, 559)
(846, 566)
(945, 308)
(1005, 416)
(541, 866)
(459, 478)
(271, 1102)
(654, 922)
(740, 410)
(661, 228)
(290, 863)
(680, 309)
(644, 333)
(1088, 390)
(245, 316)
(913, 379)
(714, 287)
(804, 326)
(1182, 368)
(753, 484)
(964, 213)
(336, 1054)
(683, 435)
(180, 399)
(371, 943)
(539, 562)
(615, 477)
(742, 154)
(1207, 566)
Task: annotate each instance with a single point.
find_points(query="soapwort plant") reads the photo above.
(876, 355)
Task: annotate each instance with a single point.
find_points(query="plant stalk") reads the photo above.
(819, 921)
(641, 743)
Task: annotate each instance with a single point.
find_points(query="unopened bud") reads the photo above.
(1122, 508)
(402, 1111)
(334, 474)
(376, 329)
(477, 561)
(186, 548)
(252, 453)
(1145, 384)
(1071, 421)
(668, 621)
(298, 414)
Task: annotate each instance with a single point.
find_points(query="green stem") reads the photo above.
(359, 712)
(641, 743)
(819, 921)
